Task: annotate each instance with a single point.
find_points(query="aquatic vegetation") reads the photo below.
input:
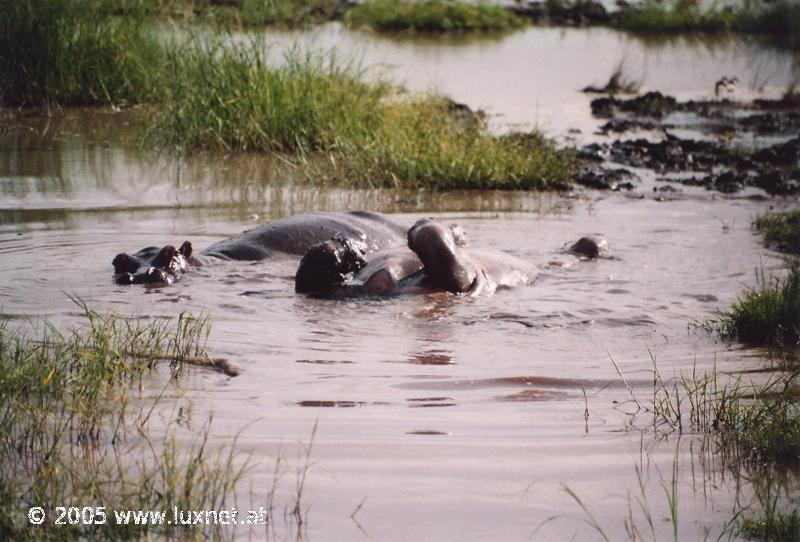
(431, 16)
(63, 52)
(320, 110)
(757, 423)
(618, 82)
(781, 230)
(769, 314)
(776, 527)
(75, 432)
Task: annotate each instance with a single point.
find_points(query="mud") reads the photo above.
(721, 145)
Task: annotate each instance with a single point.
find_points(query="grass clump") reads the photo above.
(320, 110)
(431, 16)
(755, 423)
(73, 436)
(777, 527)
(220, 97)
(65, 52)
(769, 315)
(422, 144)
(781, 230)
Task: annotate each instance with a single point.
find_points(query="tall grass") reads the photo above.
(753, 422)
(768, 314)
(421, 144)
(431, 16)
(73, 436)
(222, 97)
(65, 52)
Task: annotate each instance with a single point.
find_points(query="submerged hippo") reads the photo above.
(293, 235)
(358, 252)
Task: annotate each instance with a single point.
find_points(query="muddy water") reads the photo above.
(443, 417)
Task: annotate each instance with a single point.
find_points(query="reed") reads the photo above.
(74, 433)
(65, 52)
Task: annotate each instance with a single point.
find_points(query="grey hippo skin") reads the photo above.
(438, 260)
(293, 235)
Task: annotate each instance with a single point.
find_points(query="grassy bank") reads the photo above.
(73, 435)
(779, 19)
(212, 94)
(62, 52)
(344, 130)
(431, 16)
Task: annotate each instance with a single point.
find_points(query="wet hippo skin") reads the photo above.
(292, 235)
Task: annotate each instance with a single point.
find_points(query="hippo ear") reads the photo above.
(186, 249)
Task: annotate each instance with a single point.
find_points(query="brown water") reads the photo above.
(448, 418)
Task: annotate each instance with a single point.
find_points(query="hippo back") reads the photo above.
(294, 235)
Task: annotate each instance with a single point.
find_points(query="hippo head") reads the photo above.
(440, 249)
(590, 247)
(152, 265)
(328, 264)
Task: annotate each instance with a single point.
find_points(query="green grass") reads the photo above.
(291, 13)
(321, 111)
(770, 314)
(75, 432)
(776, 527)
(431, 16)
(220, 95)
(681, 16)
(781, 230)
(779, 19)
(63, 52)
(754, 423)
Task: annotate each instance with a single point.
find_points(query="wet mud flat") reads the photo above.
(720, 145)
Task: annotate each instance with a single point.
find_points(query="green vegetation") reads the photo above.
(682, 16)
(778, 527)
(431, 16)
(212, 94)
(755, 423)
(75, 432)
(344, 129)
(769, 315)
(779, 19)
(51, 52)
(781, 230)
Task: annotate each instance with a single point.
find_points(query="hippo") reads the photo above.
(356, 252)
(293, 236)
(437, 258)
